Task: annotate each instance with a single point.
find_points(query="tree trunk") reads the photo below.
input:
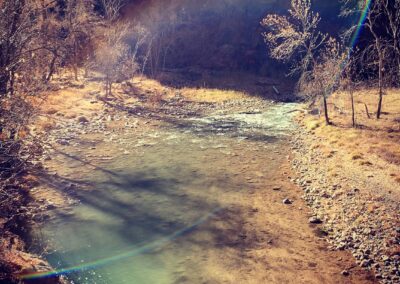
(380, 52)
(86, 74)
(107, 83)
(367, 111)
(12, 83)
(52, 67)
(378, 113)
(353, 115)
(75, 63)
(3, 84)
(326, 111)
(397, 54)
(108, 86)
(75, 72)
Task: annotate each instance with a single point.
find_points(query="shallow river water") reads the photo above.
(146, 203)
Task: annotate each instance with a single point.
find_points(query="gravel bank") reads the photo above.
(359, 211)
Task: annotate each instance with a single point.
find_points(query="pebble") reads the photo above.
(63, 142)
(345, 273)
(365, 263)
(287, 201)
(314, 220)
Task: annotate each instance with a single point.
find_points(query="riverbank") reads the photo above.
(350, 180)
(17, 208)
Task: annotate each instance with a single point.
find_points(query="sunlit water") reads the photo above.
(138, 210)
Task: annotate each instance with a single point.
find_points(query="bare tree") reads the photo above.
(78, 22)
(324, 78)
(34, 38)
(391, 10)
(348, 86)
(22, 60)
(379, 46)
(117, 45)
(114, 55)
(37, 33)
(17, 33)
(382, 53)
(112, 9)
(296, 38)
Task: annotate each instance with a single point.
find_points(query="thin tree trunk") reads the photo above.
(378, 113)
(326, 111)
(380, 51)
(366, 111)
(3, 84)
(353, 115)
(12, 83)
(108, 86)
(52, 67)
(75, 64)
(86, 74)
(397, 54)
(148, 54)
(75, 72)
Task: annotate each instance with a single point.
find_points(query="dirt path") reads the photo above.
(182, 199)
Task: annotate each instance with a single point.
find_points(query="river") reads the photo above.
(163, 205)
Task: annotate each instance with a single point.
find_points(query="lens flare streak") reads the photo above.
(145, 248)
(354, 38)
(360, 24)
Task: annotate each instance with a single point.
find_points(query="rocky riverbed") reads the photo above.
(359, 212)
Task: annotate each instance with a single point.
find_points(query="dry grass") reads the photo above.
(156, 91)
(311, 123)
(211, 95)
(372, 137)
(341, 109)
(68, 103)
(45, 124)
(148, 84)
(77, 102)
